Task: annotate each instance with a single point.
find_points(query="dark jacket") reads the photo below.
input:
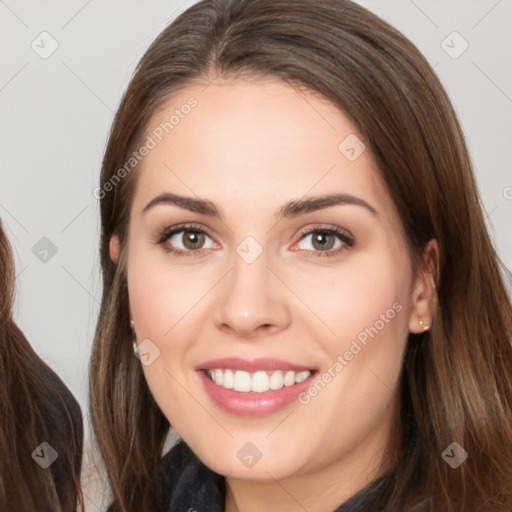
(188, 485)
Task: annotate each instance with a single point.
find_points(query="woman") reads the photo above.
(293, 243)
(41, 432)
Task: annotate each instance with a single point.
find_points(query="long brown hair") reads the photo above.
(35, 407)
(457, 383)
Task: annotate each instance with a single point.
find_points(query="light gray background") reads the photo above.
(56, 113)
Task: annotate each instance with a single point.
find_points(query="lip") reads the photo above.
(262, 363)
(252, 403)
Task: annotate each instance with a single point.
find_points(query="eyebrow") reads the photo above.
(291, 209)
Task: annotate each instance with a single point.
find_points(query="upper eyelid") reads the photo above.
(174, 230)
(335, 230)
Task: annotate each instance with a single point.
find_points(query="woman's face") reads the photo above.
(270, 278)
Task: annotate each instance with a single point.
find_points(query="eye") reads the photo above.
(324, 241)
(189, 240)
(184, 240)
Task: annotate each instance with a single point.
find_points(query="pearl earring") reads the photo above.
(425, 327)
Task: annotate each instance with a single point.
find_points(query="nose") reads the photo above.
(252, 301)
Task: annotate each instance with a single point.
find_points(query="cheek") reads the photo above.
(365, 292)
(160, 301)
(365, 306)
(165, 301)
(367, 310)
(161, 295)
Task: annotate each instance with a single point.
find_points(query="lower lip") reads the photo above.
(252, 403)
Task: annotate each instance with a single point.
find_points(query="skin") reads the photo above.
(250, 147)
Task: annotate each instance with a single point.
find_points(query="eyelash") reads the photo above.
(348, 241)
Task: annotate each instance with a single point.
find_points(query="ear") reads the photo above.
(424, 294)
(114, 248)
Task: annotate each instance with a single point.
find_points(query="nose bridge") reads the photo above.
(251, 296)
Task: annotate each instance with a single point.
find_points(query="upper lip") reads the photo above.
(263, 363)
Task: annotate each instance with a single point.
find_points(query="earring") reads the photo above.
(135, 346)
(425, 327)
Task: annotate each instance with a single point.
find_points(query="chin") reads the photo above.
(245, 461)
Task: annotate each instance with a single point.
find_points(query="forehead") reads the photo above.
(250, 143)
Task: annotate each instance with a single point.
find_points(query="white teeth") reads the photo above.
(218, 376)
(242, 381)
(229, 379)
(301, 376)
(258, 382)
(276, 380)
(289, 379)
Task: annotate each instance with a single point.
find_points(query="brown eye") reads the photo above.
(193, 239)
(323, 241)
(185, 240)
